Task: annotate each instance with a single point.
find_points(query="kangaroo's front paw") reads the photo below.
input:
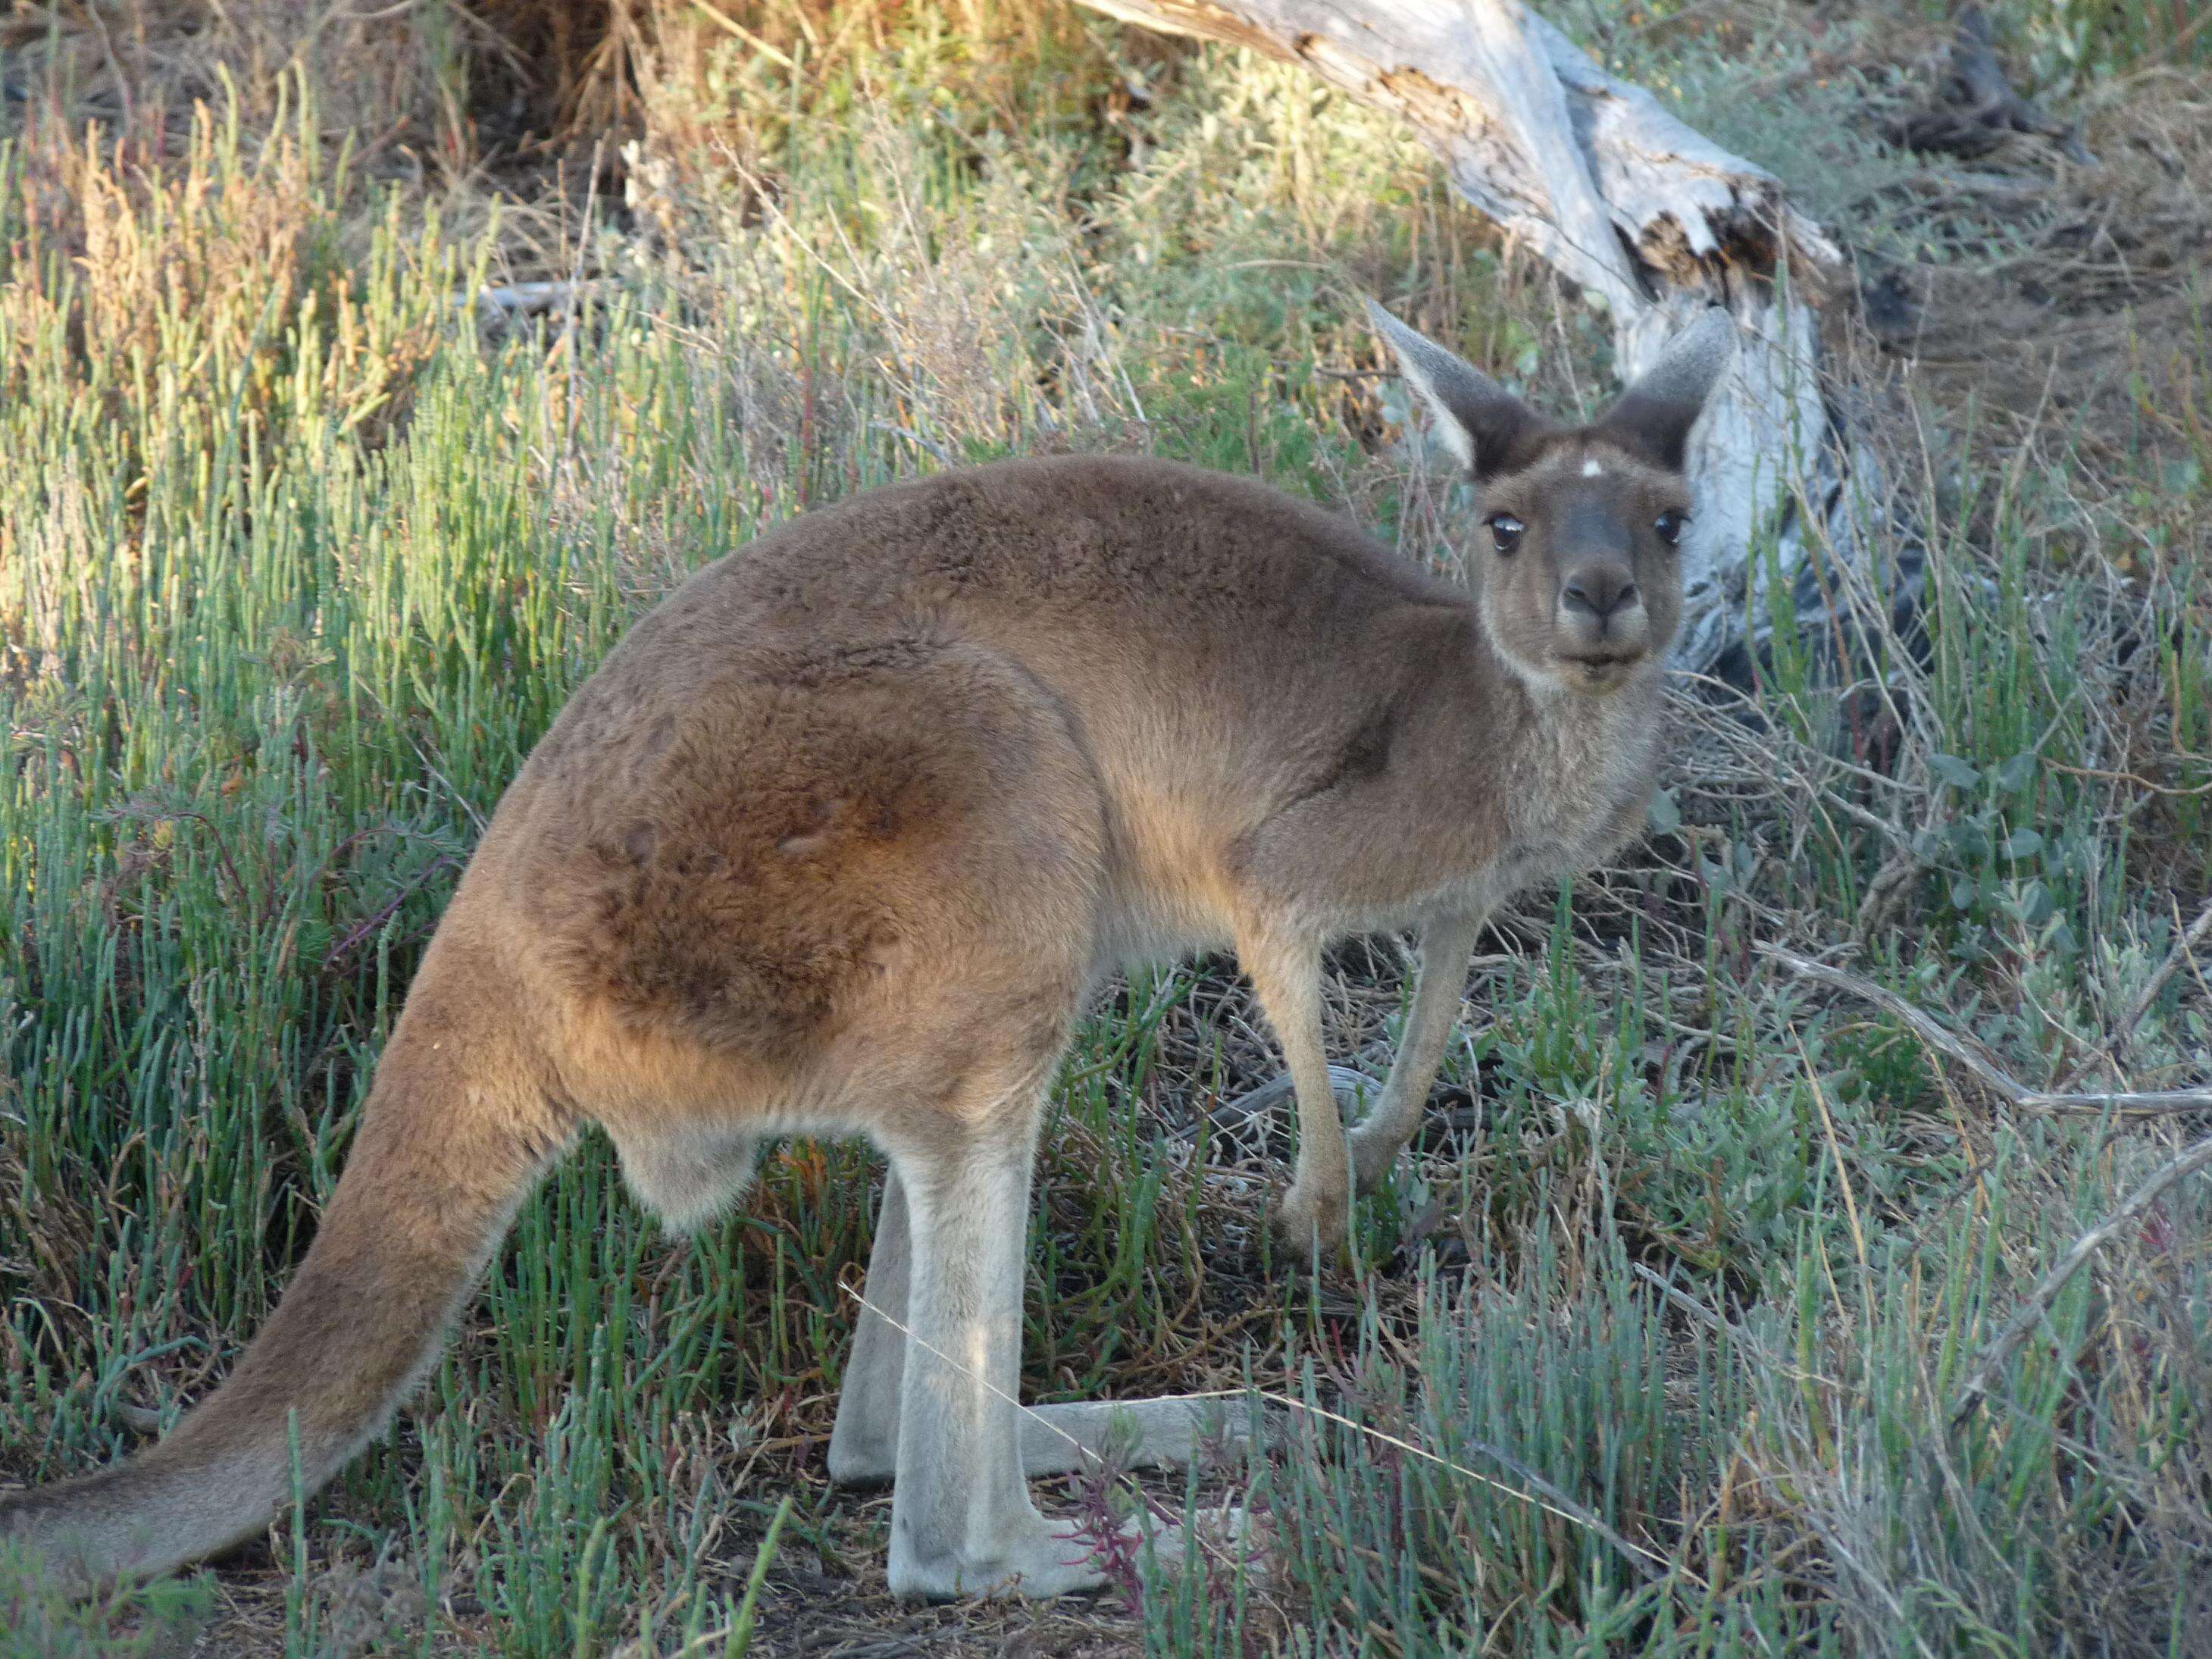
(1373, 1147)
(1316, 1226)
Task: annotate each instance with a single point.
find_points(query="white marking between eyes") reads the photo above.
(1592, 470)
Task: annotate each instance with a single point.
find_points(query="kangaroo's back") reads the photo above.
(1089, 569)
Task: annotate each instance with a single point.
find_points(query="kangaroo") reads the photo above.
(838, 841)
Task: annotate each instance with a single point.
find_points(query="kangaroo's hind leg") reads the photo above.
(961, 1520)
(864, 1443)
(1157, 1433)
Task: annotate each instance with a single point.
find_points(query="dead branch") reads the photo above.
(518, 300)
(2123, 1033)
(1979, 1060)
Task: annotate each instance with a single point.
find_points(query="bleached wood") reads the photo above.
(1652, 220)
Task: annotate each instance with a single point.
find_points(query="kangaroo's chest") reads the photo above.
(1584, 798)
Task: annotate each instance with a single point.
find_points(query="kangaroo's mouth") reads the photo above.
(1599, 670)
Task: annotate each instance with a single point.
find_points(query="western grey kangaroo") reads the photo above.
(842, 835)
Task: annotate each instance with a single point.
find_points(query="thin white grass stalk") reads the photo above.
(1545, 1497)
(1843, 1171)
(1865, 1575)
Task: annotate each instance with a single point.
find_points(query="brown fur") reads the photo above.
(840, 835)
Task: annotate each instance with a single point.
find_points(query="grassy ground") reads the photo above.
(1657, 1349)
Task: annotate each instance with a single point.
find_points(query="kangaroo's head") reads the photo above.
(1580, 577)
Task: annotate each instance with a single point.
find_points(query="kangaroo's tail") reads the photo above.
(458, 1126)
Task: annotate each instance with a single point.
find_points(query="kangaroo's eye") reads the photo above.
(1505, 531)
(1669, 526)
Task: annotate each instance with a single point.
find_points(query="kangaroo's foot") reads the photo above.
(1374, 1146)
(1064, 1557)
(1032, 1557)
(1314, 1221)
(1221, 1535)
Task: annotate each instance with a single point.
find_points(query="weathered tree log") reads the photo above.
(1652, 221)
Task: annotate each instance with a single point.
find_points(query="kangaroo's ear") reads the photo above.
(1481, 421)
(1654, 416)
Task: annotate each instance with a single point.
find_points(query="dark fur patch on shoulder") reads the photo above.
(1365, 754)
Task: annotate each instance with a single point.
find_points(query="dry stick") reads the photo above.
(2123, 1033)
(1994, 1078)
(2038, 1305)
(528, 298)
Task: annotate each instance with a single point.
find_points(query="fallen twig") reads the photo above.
(2038, 1305)
(1253, 1106)
(2165, 1103)
(2123, 1033)
(935, 450)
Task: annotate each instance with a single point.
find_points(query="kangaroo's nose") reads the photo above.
(1601, 590)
